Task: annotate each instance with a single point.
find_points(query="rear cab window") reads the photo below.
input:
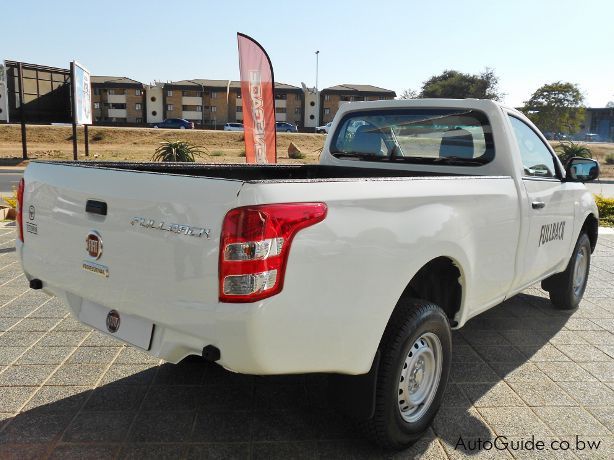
(427, 136)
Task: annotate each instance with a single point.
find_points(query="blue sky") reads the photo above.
(392, 44)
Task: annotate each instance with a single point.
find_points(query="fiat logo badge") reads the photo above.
(113, 321)
(93, 244)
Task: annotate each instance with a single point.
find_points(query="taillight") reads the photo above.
(254, 247)
(20, 189)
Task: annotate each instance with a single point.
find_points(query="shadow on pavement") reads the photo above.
(198, 410)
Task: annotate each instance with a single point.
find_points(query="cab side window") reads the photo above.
(537, 161)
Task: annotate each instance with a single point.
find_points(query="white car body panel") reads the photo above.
(344, 275)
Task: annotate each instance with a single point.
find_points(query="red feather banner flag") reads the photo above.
(257, 94)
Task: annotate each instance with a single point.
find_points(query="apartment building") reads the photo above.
(118, 100)
(334, 97)
(212, 103)
(289, 104)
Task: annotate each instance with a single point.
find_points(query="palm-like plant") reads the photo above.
(177, 151)
(566, 150)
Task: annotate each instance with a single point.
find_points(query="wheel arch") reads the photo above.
(591, 228)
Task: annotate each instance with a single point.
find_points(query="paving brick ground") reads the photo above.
(521, 369)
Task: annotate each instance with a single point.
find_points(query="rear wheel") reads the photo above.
(415, 364)
(567, 288)
(182, 127)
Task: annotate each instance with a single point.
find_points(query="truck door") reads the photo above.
(549, 206)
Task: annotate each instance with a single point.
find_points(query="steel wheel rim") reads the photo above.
(580, 270)
(420, 376)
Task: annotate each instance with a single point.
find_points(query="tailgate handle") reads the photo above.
(96, 207)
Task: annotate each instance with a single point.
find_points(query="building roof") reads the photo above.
(223, 84)
(108, 80)
(352, 88)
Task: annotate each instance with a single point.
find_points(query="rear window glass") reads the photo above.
(430, 136)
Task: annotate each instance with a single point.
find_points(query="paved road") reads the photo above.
(519, 370)
(9, 178)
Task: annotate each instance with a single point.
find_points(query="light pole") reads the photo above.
(317, 93)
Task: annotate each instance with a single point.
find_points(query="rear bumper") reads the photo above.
(252, 339)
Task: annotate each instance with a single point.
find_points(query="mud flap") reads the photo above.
(354, 395)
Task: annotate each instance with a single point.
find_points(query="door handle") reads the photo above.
(538, 205)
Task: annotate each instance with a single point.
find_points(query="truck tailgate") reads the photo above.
(153, 258)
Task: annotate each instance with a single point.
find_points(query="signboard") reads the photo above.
(82, 94)
(257, 96)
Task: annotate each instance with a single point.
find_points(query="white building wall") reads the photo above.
(4, 103)
(116, 98)
(311, 107)
(118, 113)
(156, 105)
(191, 100)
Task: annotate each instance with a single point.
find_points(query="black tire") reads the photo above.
(565, 291)
(412, 320)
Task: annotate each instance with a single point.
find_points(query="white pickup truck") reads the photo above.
(420, 215)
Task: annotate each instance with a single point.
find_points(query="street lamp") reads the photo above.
(317, 94)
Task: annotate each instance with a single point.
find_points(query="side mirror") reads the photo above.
(581, 170)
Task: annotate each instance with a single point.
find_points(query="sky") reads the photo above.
(391, 44)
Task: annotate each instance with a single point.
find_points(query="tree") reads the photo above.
(610, 105)
(458, 85)
(408, 94)
(556, 107)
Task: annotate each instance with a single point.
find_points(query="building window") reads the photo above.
(139, 120)
(327, 111)
(96, 105)
(327, 97)
(297, 97)
(154, 113)
(169, 107)
(192, 108)
(116, 106)
(138, 107)
(238, 95)
(97, 91)
(117, 92)
(297, 110)
(280, 110)
(169, 92)
(346, 98)
(213, 108)
(239, 108)
(138, 92)
(213, 96)
(192, 93)
(281, 97)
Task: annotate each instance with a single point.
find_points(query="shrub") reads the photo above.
(177, 151)
(569, 149)
(98, 136)
(609, 159)
(606, 210)
(242, 153)
(296, 155)
(12, 200)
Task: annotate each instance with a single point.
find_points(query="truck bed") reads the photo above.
(258, 173)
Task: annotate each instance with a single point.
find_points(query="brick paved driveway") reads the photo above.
(519, 370)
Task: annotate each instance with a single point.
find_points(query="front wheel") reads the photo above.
(566, 289)
(415, 364)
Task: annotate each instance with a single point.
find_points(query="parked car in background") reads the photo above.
(323, 129)
(592, 137)
(175, 123)
(285, 127)
(233, 127)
